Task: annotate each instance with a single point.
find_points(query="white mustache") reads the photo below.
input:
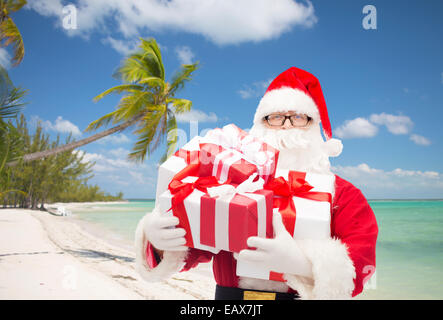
(287, 139)
(300, 149)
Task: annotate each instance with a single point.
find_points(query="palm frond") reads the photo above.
(152, 53)
(118, 89)
(180, 105)
(12, 105)
(182, 76)
(103, 121)
(129, 107)
(11, 143)
(10, 96)
(133, 105)
(148, 136)
(144, 63)
(132, 69)
(9, 33)
(172, 137)
(15, 5)
(153, 82)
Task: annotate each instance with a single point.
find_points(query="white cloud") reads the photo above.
(46, 7)
(87, 156)
(138, 177)
(196, 115)
(60, 125)
(256, 89)
(115, 138)
(364, 128)
(5, 58)
(356, 128)
(113, 165)
(119, 152)
(184, 54)
(403, 183)
(420, 140)
(411, 173)
(221, 21)
(124, 47)
(114, 173)
(394, 124)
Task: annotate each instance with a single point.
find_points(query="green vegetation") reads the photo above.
(58, 178)
(9, 33)
(149, 105)
(35, 170)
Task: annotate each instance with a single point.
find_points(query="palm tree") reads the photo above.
(9, 32)
(10, 139)
(149, 104)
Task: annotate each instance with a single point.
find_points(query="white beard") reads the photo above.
(300, 149)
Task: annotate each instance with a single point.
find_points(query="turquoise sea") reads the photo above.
(409, 247)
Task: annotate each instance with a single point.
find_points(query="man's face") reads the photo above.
(301, 148)
(286, 120)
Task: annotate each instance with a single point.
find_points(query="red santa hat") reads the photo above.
(298, 90)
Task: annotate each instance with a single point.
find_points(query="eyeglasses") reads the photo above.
(278, 120)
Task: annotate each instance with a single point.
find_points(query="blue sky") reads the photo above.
(383, 87)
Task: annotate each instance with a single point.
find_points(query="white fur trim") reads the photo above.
(171, 263)
(332, 268)
(333, 147)
(286, 99)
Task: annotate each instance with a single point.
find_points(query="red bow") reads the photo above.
(180, 190)
(296, 186)
(192, 159)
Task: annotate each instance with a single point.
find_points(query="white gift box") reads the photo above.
(173, 165)
(192, 206)
(313, 219)
(225, 217)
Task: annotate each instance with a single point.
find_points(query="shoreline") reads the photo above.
(61, 242)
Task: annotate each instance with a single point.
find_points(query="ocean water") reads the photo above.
(409, 246)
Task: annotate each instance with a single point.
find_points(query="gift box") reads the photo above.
(227, 159)
(304, 201)
(218, 216)
(232, 154)
(185, 157)
(228, 153)
(224, 164)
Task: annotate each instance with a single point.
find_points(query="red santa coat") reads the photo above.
(341, 265)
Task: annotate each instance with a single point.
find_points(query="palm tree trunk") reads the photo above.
(75, 144)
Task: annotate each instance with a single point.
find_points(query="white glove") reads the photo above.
(280, 254)
(159, 229)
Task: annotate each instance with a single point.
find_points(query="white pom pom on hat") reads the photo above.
(333, 147)
(300, 91)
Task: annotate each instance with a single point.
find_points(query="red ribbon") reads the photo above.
(295, 186)
(180, 190)
(192, 159)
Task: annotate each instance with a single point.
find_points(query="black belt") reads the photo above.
(229, 293)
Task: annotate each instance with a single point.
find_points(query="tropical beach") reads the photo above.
(43, 256)
(89, 255)
(96, 96)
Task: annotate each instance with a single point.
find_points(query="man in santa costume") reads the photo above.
(288, 118)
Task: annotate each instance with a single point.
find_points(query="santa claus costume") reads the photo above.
(340, 264)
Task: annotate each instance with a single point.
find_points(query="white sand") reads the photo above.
(49, 257)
